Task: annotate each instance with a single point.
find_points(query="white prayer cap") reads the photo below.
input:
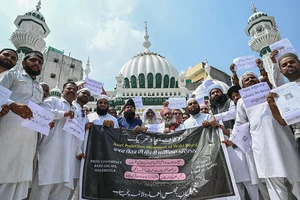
(214, 86)
(84, 89)
(243, 75)
(203, 105)
(79, 82)
(191, 99)
(103, 96)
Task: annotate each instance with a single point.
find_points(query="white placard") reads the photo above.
(283, 46)
(94, 86)
(4, 95)
(75, 127)
(207, 83)
(177, 103)
(201, 92)
(288, 102)
(41, 119)
(138, 101)
(242, 137)
(200, 100)
(244, 62)
(155, 127)
(255, 94)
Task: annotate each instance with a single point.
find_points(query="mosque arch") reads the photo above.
(141, 81)
(133, 81)
(150, 80)
(172, 82)
(166, 81)
(126, 83)
(158, 79)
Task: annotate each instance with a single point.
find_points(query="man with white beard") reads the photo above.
(150, 116)
(170, 121)
(273, 145)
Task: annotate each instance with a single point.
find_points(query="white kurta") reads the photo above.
(17, 143)
(273, 145)
(196, 120)
(57, 151)
(98, 119)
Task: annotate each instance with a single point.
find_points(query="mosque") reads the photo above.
(147, 74)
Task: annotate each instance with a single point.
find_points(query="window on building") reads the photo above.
(55, 60)
(72, 66)
(166, 81)
(126, 83)
(158, 79)
(142, 80)
(133, 82)
(150, 80)
(172, 82)
(52, 75)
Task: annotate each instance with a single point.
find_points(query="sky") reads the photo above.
(186, 32)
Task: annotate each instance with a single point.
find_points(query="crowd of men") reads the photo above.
(38, 167)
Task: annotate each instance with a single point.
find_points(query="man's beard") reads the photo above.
(6, 65)
(32, 72)
(195, 111)
(150, 121)
(169, 122)
(129, 115)
(219, 100)
(102, 112)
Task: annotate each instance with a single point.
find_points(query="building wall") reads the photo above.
(196, 72)
(60, 67)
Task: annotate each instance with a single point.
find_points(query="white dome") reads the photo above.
(148, 62)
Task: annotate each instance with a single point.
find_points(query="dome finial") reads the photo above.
(38, 6)
(146, 44)
(253, 7)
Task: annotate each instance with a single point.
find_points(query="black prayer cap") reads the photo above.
(129, 102)
(233, 89)
(33, 53)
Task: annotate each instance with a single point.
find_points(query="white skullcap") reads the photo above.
(84, 89)
(103, 96)
(243, 75)
(214, 86)
(79, 82)
(191, 99)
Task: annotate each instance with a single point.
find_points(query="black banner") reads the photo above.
(188, 164)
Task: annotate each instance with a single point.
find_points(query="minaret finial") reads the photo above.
(38, 6)
(253, 8)
(146, 44)
(87, 70)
